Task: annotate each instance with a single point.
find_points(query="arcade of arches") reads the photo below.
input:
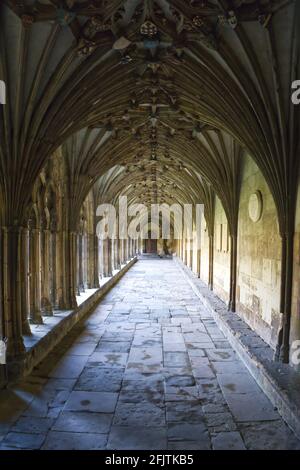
(185, 102)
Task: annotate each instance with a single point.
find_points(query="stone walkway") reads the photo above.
(149, 369)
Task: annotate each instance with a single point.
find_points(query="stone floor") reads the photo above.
(149, 369)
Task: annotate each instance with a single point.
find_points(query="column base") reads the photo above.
(47, 309)
(284, 354)
(15, 349)
(26, 328)
(36, 318)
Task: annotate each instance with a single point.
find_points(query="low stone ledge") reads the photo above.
(280, 382)
(64, 322)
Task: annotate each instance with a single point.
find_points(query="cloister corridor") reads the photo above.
(147, 369)
(149, 229)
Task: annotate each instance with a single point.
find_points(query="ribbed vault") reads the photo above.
(154, 99)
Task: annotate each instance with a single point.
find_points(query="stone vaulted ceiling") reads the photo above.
(165, 95)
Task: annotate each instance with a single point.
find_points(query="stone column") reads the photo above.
(59, 274)
(106, 258)
(90, 261)
(233, 272)
(109, 253)
(73, 264)
(25, 282)
(122, 251)
(198, 262)
(85, 260)
(11, 273)
(101, 258)
(185, 251)
(119, 253)
(46, 273)
(35, 277)
(211, 262)
(182, 249)
(80, 284)
(95, 263)
(191, 252)
(131, 248)
(127, 243)
(68, 267)
(113, 254)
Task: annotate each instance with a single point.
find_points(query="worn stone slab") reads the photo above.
(237, 383)
(251, 407)
(184, 411)
(228, 441)
(24, 441)
(109, 359)
(221, 355)
(99, 402)
(271, 435)
(81, 349)
(176, 359)
(174, 347)
(69, 367)
(137, 437)
(74, 441)
(218, 422)
(196, 433)
(150, 383)
(72, 421)
(113, 346)
(32, 425)
(100, 379)
(139, 414)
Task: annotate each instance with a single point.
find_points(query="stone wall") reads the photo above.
(204, 263)
(221, 254)
(295, 323)
(259, 258)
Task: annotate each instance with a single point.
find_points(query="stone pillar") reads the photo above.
(109, 257)
(80, 283)
(185, 251)
(131, 247)
(123, 251)
(141, 245)
(11, 273)
(101, 258)
(191, 251)
(25, 282)
(46, 273)
(105, 257)
(211, 262)
(95, 255)
(68, 268)
(198, 268)
(233, 273)
(119, 253)
(59, 275)
(113, 254)
(35, 277)
(182, 249)
(127, 249)
(85, 261)
(92, 248)
(107, 249)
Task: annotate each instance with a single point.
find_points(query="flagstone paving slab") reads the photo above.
(148, 369)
